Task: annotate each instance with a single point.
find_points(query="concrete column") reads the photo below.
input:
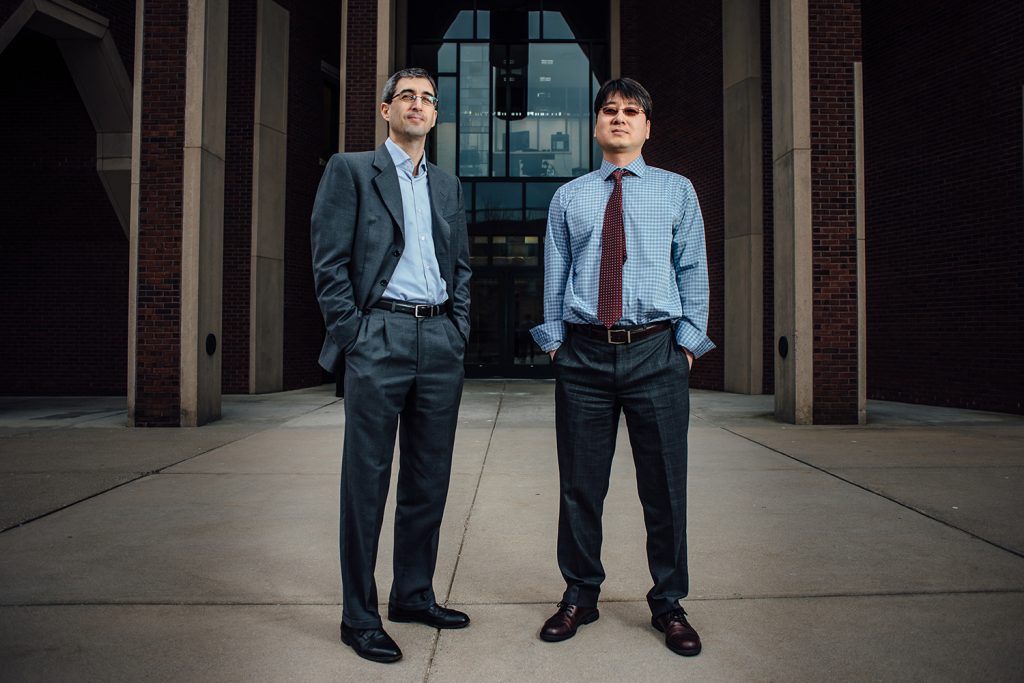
(343, 76)
(133, 213)
(270, 148)
(203, 211)
(744, 236)
(385, 58)
(791, 149)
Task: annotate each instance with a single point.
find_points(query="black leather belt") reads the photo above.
(620, 335)
(418, 310)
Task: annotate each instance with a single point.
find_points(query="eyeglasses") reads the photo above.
(409, 98)
(628, 112)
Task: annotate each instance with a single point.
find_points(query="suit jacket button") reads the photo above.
(383, 283)
(396, 253)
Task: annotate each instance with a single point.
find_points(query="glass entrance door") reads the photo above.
(506, 305)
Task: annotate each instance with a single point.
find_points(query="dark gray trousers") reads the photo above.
(648, 380)
(404, 375)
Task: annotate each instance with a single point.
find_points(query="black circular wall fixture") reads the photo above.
(783, 347)
(211, 344)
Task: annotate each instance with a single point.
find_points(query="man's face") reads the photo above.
(622, 126)
(410, 119)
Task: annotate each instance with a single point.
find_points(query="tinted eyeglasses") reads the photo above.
(409, 98)
(629, 112)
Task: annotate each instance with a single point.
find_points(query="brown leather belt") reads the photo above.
(418, 310)
(620, 335)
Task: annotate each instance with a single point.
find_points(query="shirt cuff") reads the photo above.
(549, 335)
(692, 339)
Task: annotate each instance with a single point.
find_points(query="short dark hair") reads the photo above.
(629, 90)
(388, 93)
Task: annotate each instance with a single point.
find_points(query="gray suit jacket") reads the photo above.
(358, 234)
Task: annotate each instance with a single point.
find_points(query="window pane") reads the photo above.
(479, 248)
(555, 27)
(554, 139)
(445, 59)
(534, 25)
(516, 250)
(538, 199)
(474, 110)
(483, 24)
(462, 27)
(446, 123)
(499, 202)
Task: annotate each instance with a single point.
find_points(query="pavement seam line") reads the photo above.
(610, 601)
(879, 494)
(143, 475)
(465, 524)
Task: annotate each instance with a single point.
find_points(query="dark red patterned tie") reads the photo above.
(613, 255)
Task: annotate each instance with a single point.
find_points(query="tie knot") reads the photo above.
(618, 174)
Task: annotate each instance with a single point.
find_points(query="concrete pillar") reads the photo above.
(177, 200)
(203, 211)
(343, 76)
(133, 216)
(791, 151)
(744, 246)
(270, 147)
(385, 59)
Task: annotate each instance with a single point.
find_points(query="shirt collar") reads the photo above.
(637, 167)
(403, 160)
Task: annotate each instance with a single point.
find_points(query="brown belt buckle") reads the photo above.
(628, 334)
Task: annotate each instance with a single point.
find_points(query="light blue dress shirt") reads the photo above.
(417, 276)
(665, 276)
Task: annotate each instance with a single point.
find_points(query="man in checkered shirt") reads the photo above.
(625, 315)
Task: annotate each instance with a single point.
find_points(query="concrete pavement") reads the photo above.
(892, 551)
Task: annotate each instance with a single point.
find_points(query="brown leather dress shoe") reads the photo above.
(680, 637)
(563, 624)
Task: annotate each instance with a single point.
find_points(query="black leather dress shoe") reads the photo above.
(680, 637)
(371, 643)
(562, 624)
(434, 615)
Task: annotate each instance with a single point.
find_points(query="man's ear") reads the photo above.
(385, 111)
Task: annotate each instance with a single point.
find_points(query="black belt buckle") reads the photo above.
(423, 310)
(625, 336)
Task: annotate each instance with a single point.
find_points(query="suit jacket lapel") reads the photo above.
(386, 183)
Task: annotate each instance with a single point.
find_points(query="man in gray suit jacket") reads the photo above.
(391, 263)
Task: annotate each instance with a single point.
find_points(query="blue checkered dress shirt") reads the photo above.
(665, 276)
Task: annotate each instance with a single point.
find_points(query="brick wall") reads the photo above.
(63, 253)
(686, 130)
(361, 96)
(238, 195)
(158, 347)
(945, 206)
(834, 27)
